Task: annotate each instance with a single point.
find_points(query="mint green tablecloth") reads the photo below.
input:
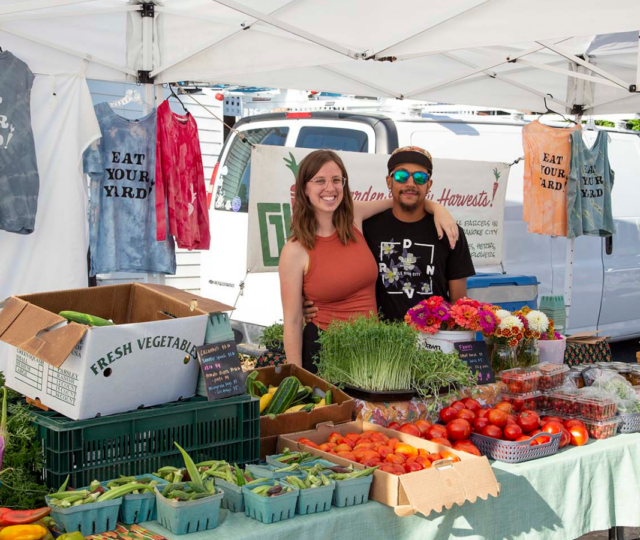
(579, 490)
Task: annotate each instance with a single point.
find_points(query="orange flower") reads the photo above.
(513, 342)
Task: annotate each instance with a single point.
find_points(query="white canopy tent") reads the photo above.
(506, 53)
(502, 53)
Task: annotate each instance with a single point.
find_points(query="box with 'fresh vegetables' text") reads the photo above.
(433, 489)
(147, 357)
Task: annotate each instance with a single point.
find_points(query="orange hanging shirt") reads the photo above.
(547, 153)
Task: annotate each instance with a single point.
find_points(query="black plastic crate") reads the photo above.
(141, 441)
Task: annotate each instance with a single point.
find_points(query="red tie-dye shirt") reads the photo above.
(180, 188)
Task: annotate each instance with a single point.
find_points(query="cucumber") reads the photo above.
(303, 393)
(308, 408)
(284, 396)
(259, 388)
(84, 318)
(328, 397)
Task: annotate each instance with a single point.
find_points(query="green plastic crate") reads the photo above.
(140, 442)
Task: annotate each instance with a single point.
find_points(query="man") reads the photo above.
(413, 262)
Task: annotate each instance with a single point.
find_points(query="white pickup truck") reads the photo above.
(606, 274)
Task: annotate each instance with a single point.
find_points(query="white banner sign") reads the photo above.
(473, 191)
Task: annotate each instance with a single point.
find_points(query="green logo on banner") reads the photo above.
(278, 216)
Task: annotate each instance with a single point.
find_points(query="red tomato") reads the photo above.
(423, 426)
(410, 429)
(413, 467)
(333, 438)
(528, 420)
(482, 413)
(436, 431)
(342, 448)
(394, 425)
(395, 458)
(492, 431)
(540, 440)
(457, 405)
(466, 414)
(373, 462)
(498, 418)
(391, 469)
(565, 439)
(552, 427)
(434, 457)
(505, 407)
(512, 432)
(442, 441)
(472, 404)
(579, 435)
(551, 419)
(511, 419)
(467, 446)
(346, 455)
(391, 443)
(450, 455)
(523, 438)
(447, 414)
(384, 451)
(424, 461)
(479, 424)
(570, 423)
(458, 430)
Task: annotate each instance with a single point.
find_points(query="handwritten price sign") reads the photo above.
(474, 354)
(221, 370)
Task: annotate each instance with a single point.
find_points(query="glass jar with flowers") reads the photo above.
(508, 333)
(535, 324)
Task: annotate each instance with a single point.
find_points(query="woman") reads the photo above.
(327, 259)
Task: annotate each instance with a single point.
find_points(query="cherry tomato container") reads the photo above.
(552, 375)
(520, 380)
(597, 407)
(566, 402)
(521, 402)
(601, 429)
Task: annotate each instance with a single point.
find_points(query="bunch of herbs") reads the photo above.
(272, 338)
(369, 354)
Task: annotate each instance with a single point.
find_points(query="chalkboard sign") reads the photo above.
(474, 354)
(221, 369)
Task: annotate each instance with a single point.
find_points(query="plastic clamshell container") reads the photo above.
(601, 429)
(353, 491)
(520, 380)
(93, 518)
(552, 375)
(566, 402)
(597, 407)
(184, 517)
(315, 500)
(140, 507)
(233, 499)
(270, 509)
(269, 471)
(535, 401)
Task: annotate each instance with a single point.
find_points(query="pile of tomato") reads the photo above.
(371, 448)
(501, 422)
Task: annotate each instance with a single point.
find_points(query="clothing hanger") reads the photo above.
(550, 111)
(173, 93)
(131, 96)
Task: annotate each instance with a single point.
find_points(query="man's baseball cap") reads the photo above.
(410, 154)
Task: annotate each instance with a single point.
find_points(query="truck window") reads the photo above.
(349, 140)
(232, 194)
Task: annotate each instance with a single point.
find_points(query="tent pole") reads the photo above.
(638, 66)
(574, 74)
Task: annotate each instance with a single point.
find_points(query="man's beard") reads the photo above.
(409, 208)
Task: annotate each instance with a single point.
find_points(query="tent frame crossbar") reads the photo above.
(77, 13)
(574, 74)
(34, 5)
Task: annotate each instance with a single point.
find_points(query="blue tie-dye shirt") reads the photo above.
(122, 216)
(19, 180)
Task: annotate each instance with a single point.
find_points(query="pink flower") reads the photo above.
(487, 320)
(441, 313)
(433, 302)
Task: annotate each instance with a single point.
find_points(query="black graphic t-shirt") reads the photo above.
(413, 264)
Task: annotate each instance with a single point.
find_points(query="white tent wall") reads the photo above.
(210, 131)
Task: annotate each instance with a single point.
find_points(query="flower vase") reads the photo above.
(528, 353)
(503, 357)
(488, 341)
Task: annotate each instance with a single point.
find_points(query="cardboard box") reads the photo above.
(341, 411)
(268, 446)
(147, 358)
(587, 338)
(441, 486)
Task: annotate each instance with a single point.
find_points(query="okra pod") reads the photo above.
(67, 494)
(121, 491)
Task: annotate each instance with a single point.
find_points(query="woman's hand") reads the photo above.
(445, 224)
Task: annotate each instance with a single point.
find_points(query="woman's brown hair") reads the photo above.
(303, 222)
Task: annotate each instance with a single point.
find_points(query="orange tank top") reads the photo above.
(547, 152)
(341, 280)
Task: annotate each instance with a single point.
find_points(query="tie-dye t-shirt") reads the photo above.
(19, 180)
(180, 184)
(122, 212)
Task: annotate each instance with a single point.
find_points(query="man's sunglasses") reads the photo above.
(402, 176)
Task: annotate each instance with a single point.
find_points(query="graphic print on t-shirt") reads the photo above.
(6, 130)
(399, 270)
(129, 175)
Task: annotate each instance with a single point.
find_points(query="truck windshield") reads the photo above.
(349, 140)
(232, 193)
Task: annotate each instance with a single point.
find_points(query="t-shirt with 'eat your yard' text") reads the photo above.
(122, 214)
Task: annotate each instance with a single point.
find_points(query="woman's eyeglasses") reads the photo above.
(337, 181)
(419, 177)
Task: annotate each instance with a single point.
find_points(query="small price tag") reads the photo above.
(221, 369)
(474, 354)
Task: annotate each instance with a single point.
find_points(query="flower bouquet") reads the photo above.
(507, 334)
(536, 324)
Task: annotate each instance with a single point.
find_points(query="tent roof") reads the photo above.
(454, 51)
